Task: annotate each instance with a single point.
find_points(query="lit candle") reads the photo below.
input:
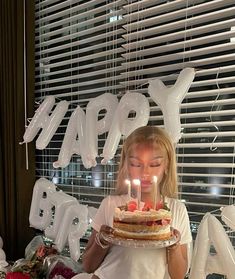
(136, 182)
(155, 192)
(128, 184)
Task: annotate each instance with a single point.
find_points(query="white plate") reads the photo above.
(136, 243)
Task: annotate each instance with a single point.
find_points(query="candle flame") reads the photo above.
(154, 179)
(127, 181)
(136, 182)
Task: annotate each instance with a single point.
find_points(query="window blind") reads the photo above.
(87, 48)
(78, 57)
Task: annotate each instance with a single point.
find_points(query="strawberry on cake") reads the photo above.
(144, 224)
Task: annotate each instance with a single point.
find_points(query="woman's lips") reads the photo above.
(145, 183)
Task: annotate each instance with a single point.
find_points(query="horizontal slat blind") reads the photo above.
(87, 48)
(78, 57)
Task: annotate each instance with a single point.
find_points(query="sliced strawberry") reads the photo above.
(132, 206)
(165, 222)
(147, 206)
(159, 205)
(149, 223)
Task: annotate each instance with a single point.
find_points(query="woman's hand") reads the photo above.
(106, 229)
(99, 238)
(177, 236)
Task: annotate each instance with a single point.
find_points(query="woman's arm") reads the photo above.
(177, 258)
(177, 261)
(95, 252)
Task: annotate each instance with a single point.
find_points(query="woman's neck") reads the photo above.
(147, 197)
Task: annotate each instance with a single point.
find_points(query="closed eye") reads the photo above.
(136, 165)
(133, 162)
(155, 165)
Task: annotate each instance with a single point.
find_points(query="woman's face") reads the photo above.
(144, 162)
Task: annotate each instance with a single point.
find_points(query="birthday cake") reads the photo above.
(143, 224)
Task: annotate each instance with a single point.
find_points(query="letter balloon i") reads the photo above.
(48, 123)
(73, 226)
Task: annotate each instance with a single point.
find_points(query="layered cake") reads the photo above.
(145, 224)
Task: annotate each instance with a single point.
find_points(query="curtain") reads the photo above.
(16, 182)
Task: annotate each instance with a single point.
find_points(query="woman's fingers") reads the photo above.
(106, 229)
(177, 234)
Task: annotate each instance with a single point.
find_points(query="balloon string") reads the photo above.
(185, 33)
(143, 84)
(27, 156)
(232, 188)
(25, 93)
(213, 211)
(212, 148)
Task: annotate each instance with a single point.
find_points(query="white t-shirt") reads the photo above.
(138, 263)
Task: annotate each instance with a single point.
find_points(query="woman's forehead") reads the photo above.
(154, 148)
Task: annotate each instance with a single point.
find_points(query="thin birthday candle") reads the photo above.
(155, 192)
(136, 182)
(128, 183)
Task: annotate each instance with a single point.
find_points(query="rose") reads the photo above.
(17, 275)
(43, 251)
(61, 269)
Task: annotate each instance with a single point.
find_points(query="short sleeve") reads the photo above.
(182, 224)
(181, 221)
(100, 217)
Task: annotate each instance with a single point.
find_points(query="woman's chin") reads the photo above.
(145, 190)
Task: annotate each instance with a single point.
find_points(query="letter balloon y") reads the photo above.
(169, 100)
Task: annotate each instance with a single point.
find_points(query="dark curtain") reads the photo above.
(16, 183)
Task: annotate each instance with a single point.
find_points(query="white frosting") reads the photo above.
(162, 231)
(122, 214)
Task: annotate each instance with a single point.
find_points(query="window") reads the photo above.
(87, 48)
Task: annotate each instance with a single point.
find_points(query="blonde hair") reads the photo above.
(150, 135)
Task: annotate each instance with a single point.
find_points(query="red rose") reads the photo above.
(61, 270)
(17, 275)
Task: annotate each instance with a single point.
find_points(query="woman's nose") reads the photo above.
(146, 170)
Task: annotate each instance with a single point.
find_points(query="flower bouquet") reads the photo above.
(31, 268)
(42, 261)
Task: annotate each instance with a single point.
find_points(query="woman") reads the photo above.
(147, 152)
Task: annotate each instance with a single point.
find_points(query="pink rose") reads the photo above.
(44, 251)
(41, 251)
